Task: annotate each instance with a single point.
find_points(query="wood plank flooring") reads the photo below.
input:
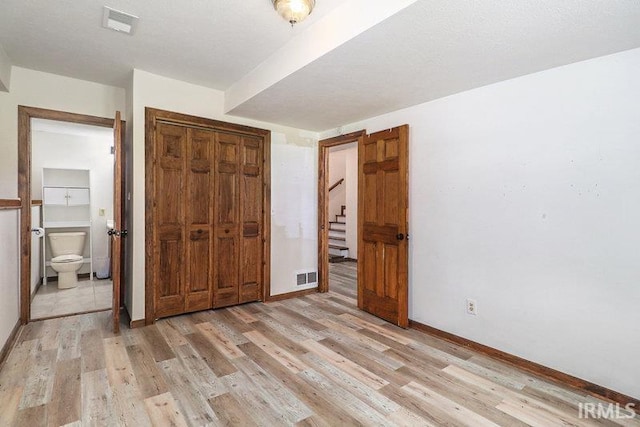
(310, 361)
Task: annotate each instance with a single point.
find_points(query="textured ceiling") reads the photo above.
(431, 49)
(211, 43)
(437, 48)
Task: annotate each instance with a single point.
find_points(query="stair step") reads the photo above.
(341, 218)
(337, 258)
(337, 247)
(341, 239)
(337, 222)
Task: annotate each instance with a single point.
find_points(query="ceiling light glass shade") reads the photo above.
(294, 11)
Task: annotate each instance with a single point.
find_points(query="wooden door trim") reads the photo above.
(116, 241)
(323, 198)
(25, 114)
(266, 217)
(154, 116)
(10, 203)
(187, 120)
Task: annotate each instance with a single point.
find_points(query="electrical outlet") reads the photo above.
(472, 307)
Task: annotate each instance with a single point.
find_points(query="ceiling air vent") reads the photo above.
(119, 21)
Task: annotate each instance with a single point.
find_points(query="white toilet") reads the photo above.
(67, 249)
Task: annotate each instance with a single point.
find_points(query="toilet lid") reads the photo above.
(67, 258)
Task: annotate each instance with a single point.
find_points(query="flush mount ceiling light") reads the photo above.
(119, 21)
(294, 11)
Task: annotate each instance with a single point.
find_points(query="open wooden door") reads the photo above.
(382, 225)
(117, 233)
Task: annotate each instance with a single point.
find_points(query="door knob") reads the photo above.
(400, 236)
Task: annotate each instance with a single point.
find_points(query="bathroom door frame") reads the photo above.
(25, 114)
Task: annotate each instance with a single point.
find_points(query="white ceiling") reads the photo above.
(431, 49)
(207, 42)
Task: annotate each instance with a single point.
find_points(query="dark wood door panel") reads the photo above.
(251, 190)
(226, 286)
(198, 292)
(170, 210)
(170, 219)
(170, 275)
(199, 209)
(251, 272)
(382, 207)
(251, 211)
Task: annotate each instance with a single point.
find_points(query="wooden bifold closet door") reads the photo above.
(238, 220)
(207, 222)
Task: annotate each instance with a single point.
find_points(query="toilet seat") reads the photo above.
(66, 258)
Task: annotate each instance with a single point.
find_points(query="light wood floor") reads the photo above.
(314, 361)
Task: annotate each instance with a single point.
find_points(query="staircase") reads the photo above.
(338, 251)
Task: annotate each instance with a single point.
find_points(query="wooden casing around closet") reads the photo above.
(207, 197)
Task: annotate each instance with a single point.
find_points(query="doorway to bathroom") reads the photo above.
(70, 170)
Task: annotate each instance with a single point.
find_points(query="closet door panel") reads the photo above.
(226, 285)
(170, 220)
(251, 272)
(199, 215)
(198, 295)
(226, 224)
(251, 218)
(227, 195)
(169, 291)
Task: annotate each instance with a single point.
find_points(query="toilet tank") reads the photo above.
(67, 243)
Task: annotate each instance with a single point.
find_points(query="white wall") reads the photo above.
(294, 154)
(525, 195)
(294, 213)
(343, 163)
(351, 185)
(36, 89)
(89, 151)
(9, 272)
(337, 171)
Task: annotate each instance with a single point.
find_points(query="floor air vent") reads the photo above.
(301, 279)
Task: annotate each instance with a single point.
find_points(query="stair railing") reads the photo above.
(336, 184)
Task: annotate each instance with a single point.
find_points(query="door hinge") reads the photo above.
(113, 149)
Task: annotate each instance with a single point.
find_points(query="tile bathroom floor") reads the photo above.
(89, 295)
